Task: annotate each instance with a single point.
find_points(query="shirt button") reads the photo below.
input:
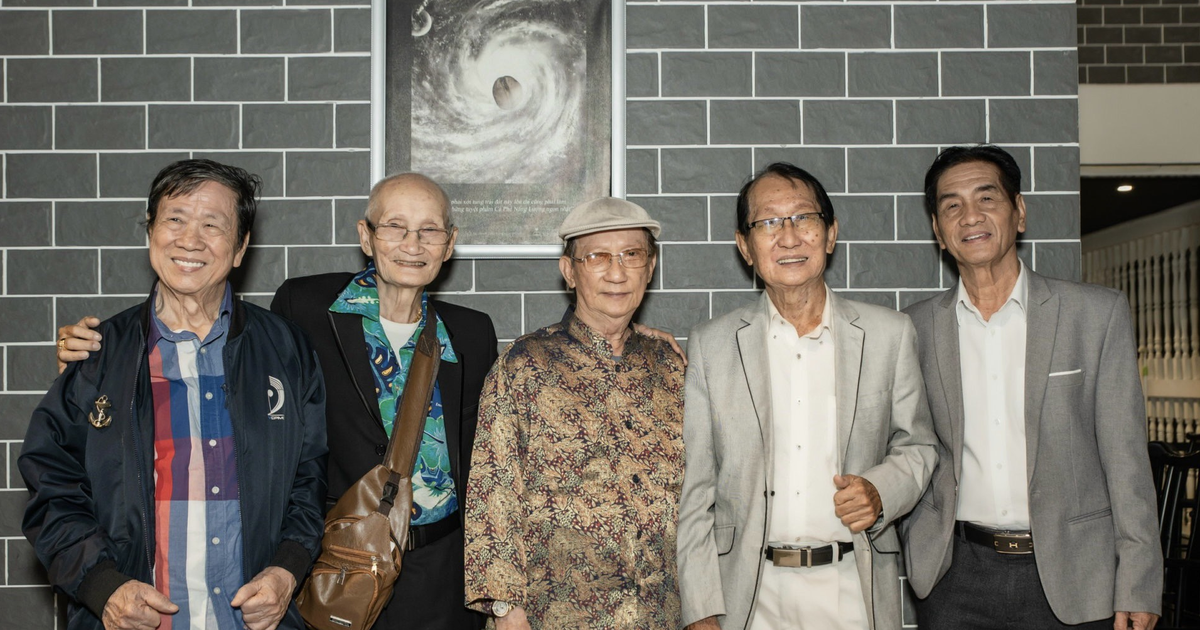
(1003, 512)
(999, 466)
(212, 442)
(216, 590)
(215, 490)
(628, 424)
(207, 395)
(216, 540)
(636, 479)
(203, 350)
(798, 355)
(994, 377)
(380, 449)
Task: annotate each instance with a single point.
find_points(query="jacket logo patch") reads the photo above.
(275, 398)
(99, 416)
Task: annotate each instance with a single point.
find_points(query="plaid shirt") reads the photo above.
(198, 527)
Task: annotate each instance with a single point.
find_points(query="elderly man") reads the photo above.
(364, 327)
(1041, 512)
(189, 454)
(572, 501)
(807, 435)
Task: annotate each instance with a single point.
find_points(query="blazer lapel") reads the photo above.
(348, 333)
(752, 347)
(1041, 324)
(449, 381)
(945, 343)
(848, 342)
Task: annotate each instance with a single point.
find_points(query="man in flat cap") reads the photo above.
(578, 462)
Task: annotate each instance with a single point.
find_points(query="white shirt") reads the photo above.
(804, 429)
(398, 333)
(994, 489)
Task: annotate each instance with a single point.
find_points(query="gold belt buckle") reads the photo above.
(1010, 544)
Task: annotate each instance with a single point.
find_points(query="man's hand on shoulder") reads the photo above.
(136, 606)
(265, 599)
(856, 502)
(708, 623)
(1135, 620)
(663, 335)
(76, 340)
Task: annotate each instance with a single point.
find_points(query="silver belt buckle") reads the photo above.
(792, 557)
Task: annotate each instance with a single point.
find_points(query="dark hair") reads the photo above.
(1010, 173)
(786, 171)
(185, 176)
(651, 244)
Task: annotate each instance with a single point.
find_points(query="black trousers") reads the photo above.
(985, 590)
(429, 593)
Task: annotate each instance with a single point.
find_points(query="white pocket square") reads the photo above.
(1068, 372)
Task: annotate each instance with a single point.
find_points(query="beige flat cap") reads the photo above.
(606, 213)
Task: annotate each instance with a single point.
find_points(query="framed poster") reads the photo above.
(516, 107)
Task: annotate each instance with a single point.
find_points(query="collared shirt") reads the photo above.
(198, 527)
(804, 428)
(575, 481)
(993, 490)
(434, 497)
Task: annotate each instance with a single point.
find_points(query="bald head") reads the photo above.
(405, 182)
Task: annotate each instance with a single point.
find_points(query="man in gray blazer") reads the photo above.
(806, 435)
(1041, 512)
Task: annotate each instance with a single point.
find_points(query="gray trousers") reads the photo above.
(985, 590)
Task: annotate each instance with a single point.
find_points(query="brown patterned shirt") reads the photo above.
(574, 486)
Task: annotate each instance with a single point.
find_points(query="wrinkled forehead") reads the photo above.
(612, 241)
(413, 200)
(207, 197)
(776, 191)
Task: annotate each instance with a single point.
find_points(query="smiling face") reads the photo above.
(792, 258)
(411, 202)
(610, 296)
(976, 222)
(193, 242)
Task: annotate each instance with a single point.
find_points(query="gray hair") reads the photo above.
(383, 184)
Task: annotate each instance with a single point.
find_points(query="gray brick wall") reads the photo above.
(1139, 41)
(97, 97)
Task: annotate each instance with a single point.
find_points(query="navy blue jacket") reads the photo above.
(90, 515)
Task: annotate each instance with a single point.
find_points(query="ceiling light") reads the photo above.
(1124, 188)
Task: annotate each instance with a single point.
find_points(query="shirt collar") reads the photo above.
(1019, 296)
(361, 297)
(591, 338)
(826, 323)
(159, 330)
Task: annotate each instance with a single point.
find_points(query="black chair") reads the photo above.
(1177, 512)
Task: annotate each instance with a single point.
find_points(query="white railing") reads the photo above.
(1154, 261)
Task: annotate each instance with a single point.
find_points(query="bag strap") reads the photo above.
(413, 409)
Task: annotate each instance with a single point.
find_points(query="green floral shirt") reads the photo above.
(433, 487)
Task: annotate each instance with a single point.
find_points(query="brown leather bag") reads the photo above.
(366, 531)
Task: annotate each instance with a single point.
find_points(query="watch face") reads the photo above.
(499, 609)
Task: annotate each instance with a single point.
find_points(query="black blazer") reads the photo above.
(357, 440)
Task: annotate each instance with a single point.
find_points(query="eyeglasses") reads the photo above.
(397, 233)
(806, 222)
(601, 261)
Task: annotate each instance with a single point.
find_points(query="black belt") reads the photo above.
(422, 535)
(1014, 543)
(808, 556)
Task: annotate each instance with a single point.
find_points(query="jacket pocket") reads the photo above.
(1091, 516)
(723, 538)
(1065, 380)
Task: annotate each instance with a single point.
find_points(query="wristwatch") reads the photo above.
(500, 608)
